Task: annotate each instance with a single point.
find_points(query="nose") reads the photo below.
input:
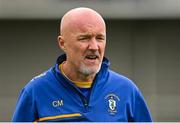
(93, 44)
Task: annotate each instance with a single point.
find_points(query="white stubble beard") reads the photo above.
(89, 71)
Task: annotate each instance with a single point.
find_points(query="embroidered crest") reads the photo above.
(112, 103)
(112, 100)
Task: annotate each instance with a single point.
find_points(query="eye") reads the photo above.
(84, 38)
(100, 38)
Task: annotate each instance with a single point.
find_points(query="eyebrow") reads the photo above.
(88, 35)
(103, 35)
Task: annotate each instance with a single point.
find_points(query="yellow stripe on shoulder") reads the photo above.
(58, 116)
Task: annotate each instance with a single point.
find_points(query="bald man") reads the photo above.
(81, 87)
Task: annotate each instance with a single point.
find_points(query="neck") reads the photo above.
(75, 75)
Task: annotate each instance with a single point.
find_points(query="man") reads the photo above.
(80, 87)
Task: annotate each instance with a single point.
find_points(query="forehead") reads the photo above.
(82, 21)
(87, 26)
(87, 19)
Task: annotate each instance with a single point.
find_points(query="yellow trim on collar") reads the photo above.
(78, 84)
(58, 116)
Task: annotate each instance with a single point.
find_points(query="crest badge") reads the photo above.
(112, 100)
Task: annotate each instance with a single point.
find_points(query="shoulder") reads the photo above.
(39, 81)
(123, 85)
(121, 81)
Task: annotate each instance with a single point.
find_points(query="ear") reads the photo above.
(61, 43)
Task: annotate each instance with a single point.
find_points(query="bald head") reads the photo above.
(80, 17)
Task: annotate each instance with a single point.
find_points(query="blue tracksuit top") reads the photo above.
(52, 97)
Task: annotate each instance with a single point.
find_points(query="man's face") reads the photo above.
(85, 46)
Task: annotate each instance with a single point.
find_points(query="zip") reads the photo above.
(83, 99)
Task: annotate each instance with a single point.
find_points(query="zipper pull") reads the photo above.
(85, 103)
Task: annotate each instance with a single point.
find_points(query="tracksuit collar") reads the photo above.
(101, 76)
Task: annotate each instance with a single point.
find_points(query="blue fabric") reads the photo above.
(85, 91)
(112, 98)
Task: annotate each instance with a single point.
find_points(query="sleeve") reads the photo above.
(141, 112)
(25, 110)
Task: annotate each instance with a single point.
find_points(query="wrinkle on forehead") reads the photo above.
(81, 18)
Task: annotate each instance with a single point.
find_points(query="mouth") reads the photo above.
(92, 57)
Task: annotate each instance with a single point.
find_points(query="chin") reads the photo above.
(89, 70)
